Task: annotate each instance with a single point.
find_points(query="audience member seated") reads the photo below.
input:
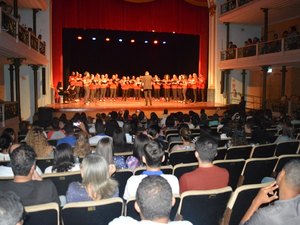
(10, 131)
(37, 139)
(63, 160)
(5, 143)
(96, 182)
(69, 138)
(207, 175)
(27, 184)
(11, 209)
(100, 133)
(119, 143)
(153, 157)
(185, 135)
(287, 133)
(56, 133)
(203, 116)
(135, 160)
(154, 201)
(82, 146)
(153, 133)
(286, 210)
(105, 149)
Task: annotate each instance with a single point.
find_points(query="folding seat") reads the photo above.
(165, 169)
(183, 168)
(288, 147)
(282, 160)
(44, 162)
(122, 176)
(221, 153)
(99, 212)
(234, 167)
(263, 151)
(239, 152)
(182, 156)
(204, 207)
(46, 214)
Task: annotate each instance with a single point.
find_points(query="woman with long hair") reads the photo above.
(82, 146)
(185, 135)
(96, 181)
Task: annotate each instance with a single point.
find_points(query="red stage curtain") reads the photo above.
(159, 15)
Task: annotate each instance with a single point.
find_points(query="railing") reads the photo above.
(11, 26)
(263, 48)
(252, 101)
(232, 4)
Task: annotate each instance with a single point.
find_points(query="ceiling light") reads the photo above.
(132, 40)
(107, 39)
(120, 40)
(155, 42)
(93, 38)
(79, 38)
(146, 42)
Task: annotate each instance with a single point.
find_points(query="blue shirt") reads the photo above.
(71, 140)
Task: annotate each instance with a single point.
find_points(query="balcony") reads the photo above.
(232, 4)
(17, 42)
(280, 51)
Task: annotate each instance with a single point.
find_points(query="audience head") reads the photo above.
(11, 209)
(10, 132)
(22, 160)
(206, 149)
(63, 158)
(185, 133)
(105, 149)
(99, 126)
(153, 131)
(68, 128)
(153, 154)
(154, 198)
(170, 121)
(5, 142)
(82, 146)
(55, 123)
(96, 177)
(138, 146)
(118, 137)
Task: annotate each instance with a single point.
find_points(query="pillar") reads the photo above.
(227, 80)
(266, 23)
(11, 76)
(283, 75)
(34, 12)
(227, 34)
(15, 6)
(264, 91)
(35, 68)
(244, 82)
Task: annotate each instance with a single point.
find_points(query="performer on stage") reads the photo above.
(156, 85)
(86, 85)
(113, 84)
(147, 86)
(167, 86)
(103, 85)
(174, 85)
(78, 85)
(97, 84)
(124, 86)
(194, 86)
(131, 86)
(93, 88)
(201, 87)
(184, 88)
(180, 86)
(137, 88)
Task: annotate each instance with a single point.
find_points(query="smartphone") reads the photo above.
(76, 124)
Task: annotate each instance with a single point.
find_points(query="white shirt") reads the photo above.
(134, 181)
(6, 171)
(93, 141)
(125, 220)
(76, 167)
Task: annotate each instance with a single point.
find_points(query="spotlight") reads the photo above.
(79, 38)
(120, 40)
(107, 39)
(153, 30)
(132, 40)
(270, 70)
(164, 42)
(146, 42)
(94, 39)
(155, 42)
(173, 32)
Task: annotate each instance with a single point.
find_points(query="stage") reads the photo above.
(132, 105)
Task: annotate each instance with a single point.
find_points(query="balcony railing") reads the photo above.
(263, 48)
(11, 26)
(232, 4)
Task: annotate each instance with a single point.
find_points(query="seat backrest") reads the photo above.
(130, 210)
(282, 160)
(46, 214)
(288, 147)
(43, 163)
(62, 180)
(172, 144)
(204, 207)
(92, 212)
(239, 152)
(165, 169)
(221, 153)
(234, 167)
(183, 168)
(122, 176)
(256, 169)
(239, 203)
(182, 157)
(263, 151)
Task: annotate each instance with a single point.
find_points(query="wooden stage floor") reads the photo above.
(132, 105)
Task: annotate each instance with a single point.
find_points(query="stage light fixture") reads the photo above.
(153, 30)
(132, 40)
(155, 42)
(173, 32)
(146, 42)
(120, 40)
(94, 39)
(107, 39)
(79, 38)
(164, 42)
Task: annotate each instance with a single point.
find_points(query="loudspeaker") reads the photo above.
(44, 80)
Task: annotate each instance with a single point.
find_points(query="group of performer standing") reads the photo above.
(92, 88)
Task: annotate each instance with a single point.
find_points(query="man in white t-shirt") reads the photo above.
(154, 201)
(153, 157)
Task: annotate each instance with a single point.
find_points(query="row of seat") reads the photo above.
(210, 207)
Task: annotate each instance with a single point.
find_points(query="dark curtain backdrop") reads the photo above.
(159, 15)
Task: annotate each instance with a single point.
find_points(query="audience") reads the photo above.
(27, 184)
(153, 157)
(82, 146)
(96, 182)
(11, 209)
(100, 133)
(70, 137)
(286, 210)
(207, 175)
(185, 135)
(154, 201)
(56, 133)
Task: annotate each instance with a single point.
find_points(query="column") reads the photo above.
(15, 5)
(11, 76)
(244, 82)
(266, 23)
(34, 12)
(35, 69)
(264, 91)
(283, 75)
(227, 34)
(227, 80)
